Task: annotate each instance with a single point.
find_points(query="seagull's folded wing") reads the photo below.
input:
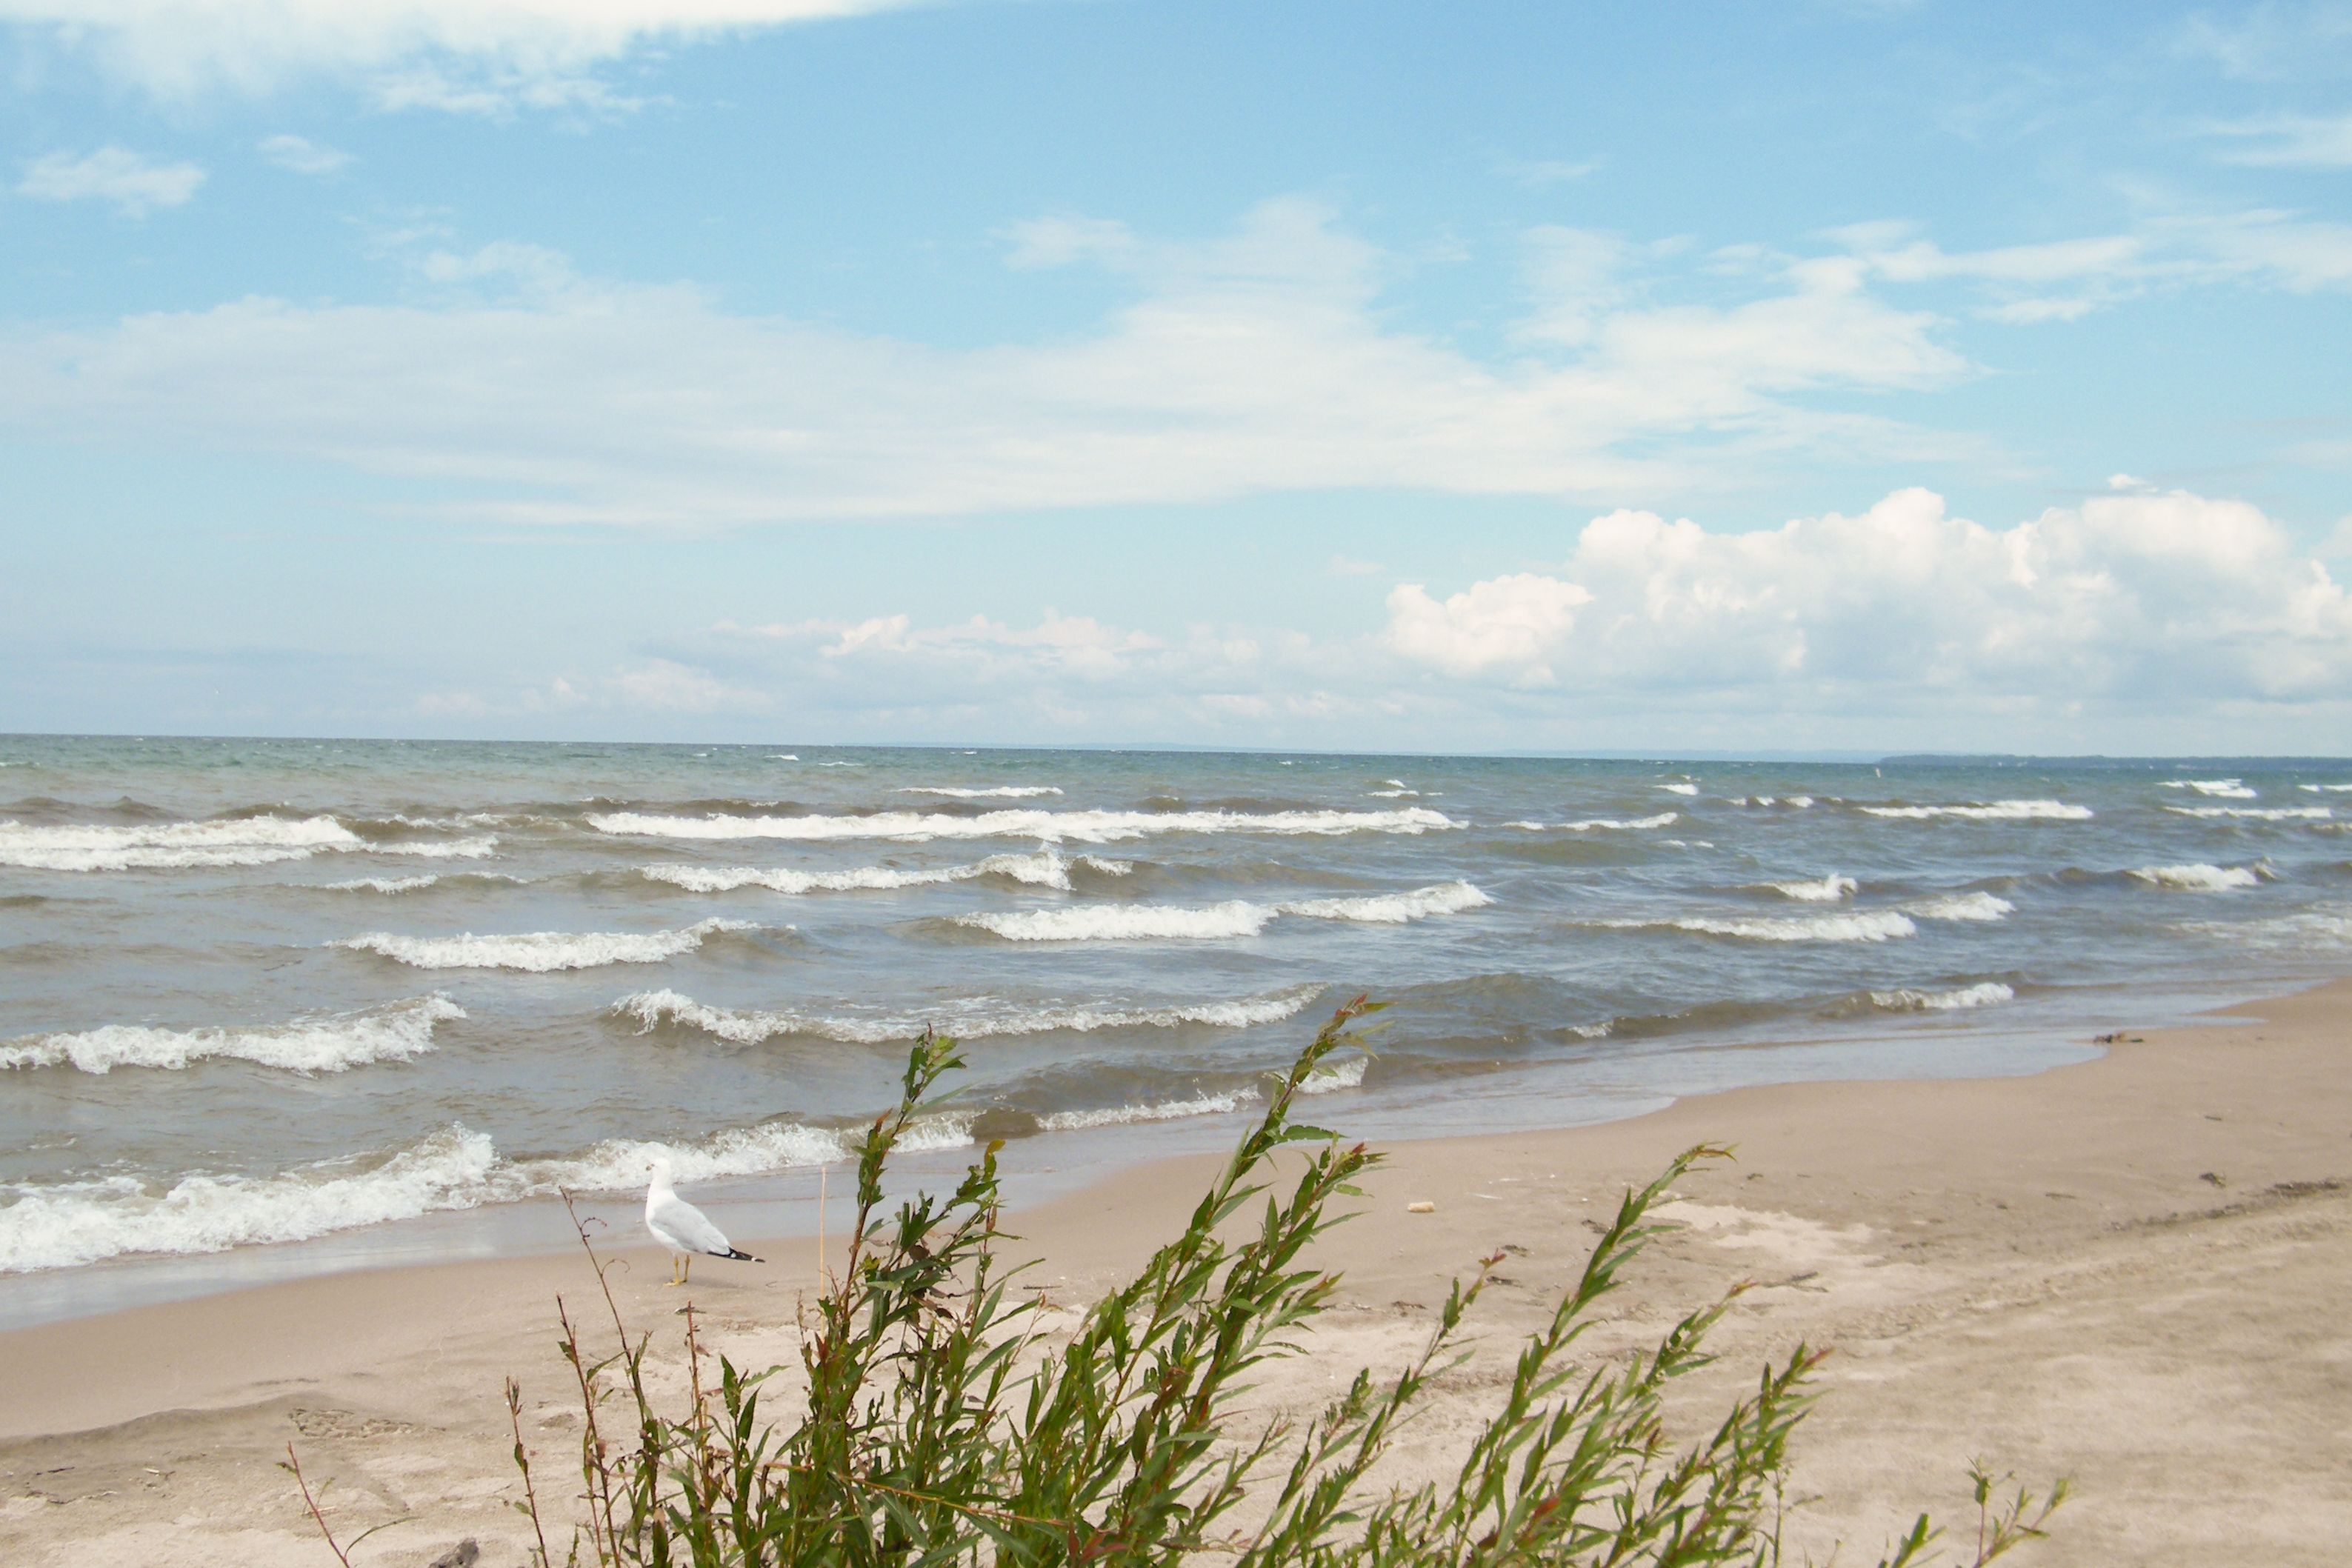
(688, 1227)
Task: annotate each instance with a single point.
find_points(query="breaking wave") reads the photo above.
(1086, 827)
(1046, 868)
(1962, 907)
(1995, 811)
(1233, 918)
(652, 1009)
(1861, 925)
(999, 791)
(329, 1044)
(1625, 824)
(2199, 877)
(1201, 1105)
(1984, 994)
(541, 952)
(2257, 813)
(2224, 788)
(1829, 890)
(244, 841)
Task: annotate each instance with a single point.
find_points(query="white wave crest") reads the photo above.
(242, 841)
(541, 952)
(1086, 827)
(1043, 869)
(748, 1027)
(1984, 994)
(1862, 926)
(475, 849)
(2199, 877)
(1617, 824)
(1348, 1074)
(1393, 908)
(999, 791)
(1963, 906)
(1995, 811)
(2224, 788)
(1233, 918)
(1679, 788)
(84, 1222)
(2257, 813)
(1201, 1105)
(1829, 890)
(2328, 788)
(382, 885)
(307, 1045)
(1150, 923)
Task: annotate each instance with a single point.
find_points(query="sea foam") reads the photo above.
(1994, 810)
(973, 1021)
(2198, 877)
(327, 1044)
(1860, 925)
(2225, 788)
(1046, 868)
(1233, 918)
(1962, 907)
(1201, 1104)
(1829, 890)
(541, 952)
(2257, 813)
(1088, 827)
(1984, 994)
(231, 841)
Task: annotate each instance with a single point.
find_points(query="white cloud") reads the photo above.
(303, 155)
(1513, 623)
(1262, 360)
(2135, 595)
(113, 174)
(506, 48)
(2289, 142)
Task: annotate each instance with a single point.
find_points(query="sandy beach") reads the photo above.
(2130, 1271)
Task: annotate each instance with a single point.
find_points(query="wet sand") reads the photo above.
(2132, 1271)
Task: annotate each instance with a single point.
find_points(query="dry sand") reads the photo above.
(2134, 1271)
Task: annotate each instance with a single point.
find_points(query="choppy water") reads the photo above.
(258, 992)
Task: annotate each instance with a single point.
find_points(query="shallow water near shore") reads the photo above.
(274, 1007)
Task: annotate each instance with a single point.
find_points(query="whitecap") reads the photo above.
(1091, 827)
(381, 884)
(1000, 792)
(1679, 788)
(1348, 1074)
(1984, 994)
(1201, 1105)
(541, 952)
(2329, 788)
(975, 1021)
(1829, 890)
(1963, 906)
(2198, 877)
(1613, 824)
(1996, 810)
(1233, 918)
(233, 842)
(449, 849)
(2224, 788)
(327, 1044)
(2257, 814)
(1861, 925)
(1043, 869)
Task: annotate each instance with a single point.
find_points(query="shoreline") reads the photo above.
(2130, 1267)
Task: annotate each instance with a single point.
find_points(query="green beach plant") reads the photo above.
(937, 1429)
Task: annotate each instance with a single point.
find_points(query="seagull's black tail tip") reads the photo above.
(741, 1257)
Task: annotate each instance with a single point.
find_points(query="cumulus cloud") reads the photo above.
(474, 56)
(2128, 594)
(1261, 361)
(1512, 623)
(113, 174)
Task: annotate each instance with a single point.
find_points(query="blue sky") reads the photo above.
(1379, 375)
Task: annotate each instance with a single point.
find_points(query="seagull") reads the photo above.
(682, 1227)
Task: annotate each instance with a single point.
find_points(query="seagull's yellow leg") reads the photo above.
(688, 1276)
(674, 1280)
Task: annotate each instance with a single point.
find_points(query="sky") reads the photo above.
(1519, 375)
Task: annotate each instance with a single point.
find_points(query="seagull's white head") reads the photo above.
(659, 1170)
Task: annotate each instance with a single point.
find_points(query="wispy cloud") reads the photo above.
(2287, 141)
(1260, 360)
(114, 174)
(473, 56)
(303, 155)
